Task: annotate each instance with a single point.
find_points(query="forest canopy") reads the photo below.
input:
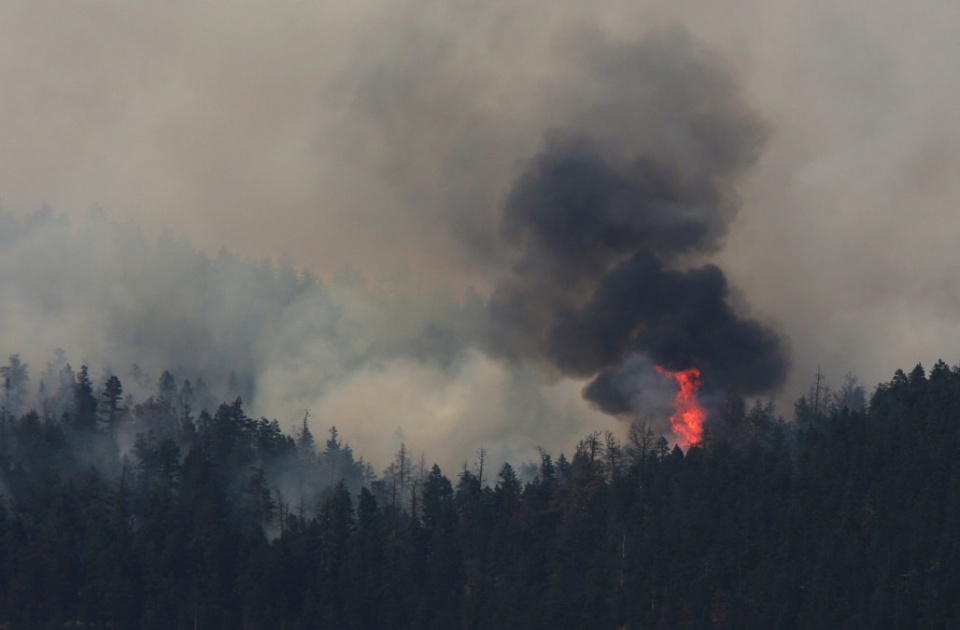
(155, 515)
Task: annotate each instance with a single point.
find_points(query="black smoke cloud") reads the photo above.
(609, 231)
(386, 134)
(409, 160)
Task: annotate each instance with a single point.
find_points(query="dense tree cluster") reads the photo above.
(119, 515)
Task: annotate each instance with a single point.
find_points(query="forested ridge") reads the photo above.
(117, 514)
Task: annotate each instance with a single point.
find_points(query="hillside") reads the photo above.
(154, 516)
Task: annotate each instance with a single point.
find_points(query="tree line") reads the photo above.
(170, 514)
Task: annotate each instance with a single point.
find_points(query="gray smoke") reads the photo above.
(383, 135)
(388, 136)
(378, 362)
(597, 258)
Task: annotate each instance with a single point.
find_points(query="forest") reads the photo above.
(178, 512)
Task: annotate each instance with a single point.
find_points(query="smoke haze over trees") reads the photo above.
(389, 360)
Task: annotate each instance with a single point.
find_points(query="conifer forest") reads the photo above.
(434, 315)
(166, 513)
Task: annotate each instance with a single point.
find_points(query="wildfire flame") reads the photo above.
(687, 421)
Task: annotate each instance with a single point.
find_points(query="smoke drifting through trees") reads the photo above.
(368, 358)
(607, 222)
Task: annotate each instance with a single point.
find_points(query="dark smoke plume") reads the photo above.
(607, 229)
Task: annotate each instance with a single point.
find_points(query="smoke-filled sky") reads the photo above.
(391, 142)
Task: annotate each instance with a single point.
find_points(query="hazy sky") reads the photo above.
(385, 136)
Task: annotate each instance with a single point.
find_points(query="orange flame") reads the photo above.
(687, 421)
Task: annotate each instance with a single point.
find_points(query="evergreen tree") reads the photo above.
(111, 396)
(15, 379)
(84, 402)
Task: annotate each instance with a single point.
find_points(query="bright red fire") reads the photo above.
(687, 421)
